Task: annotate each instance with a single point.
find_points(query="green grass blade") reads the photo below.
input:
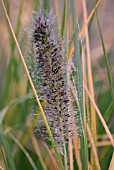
(46, 6)
(37, 5)
(13, 61)
(64, 19)
(83, 138)
(14, 102)
(61, 38)
(7, 149)
(106, 57)
(7, 3)
(19, 18)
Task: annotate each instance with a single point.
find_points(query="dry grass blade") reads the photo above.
(37, 150)
(100, 116)
(70, 154)
(90, 82)
(33, 89)
(101, 136)
(103, 143)
(1, 168)
(50, 154)
(94, 151)
(57, 7)
(76, 142)
(90, 79)
(88, 19)
(83, 29)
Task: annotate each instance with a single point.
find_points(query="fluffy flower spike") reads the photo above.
(48, 70)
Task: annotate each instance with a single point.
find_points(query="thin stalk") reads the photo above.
(84, 150)
(4, 157)
(90, 84)
(85, 80)
(83, 28)
(106, 58)
(7, 149)
(70, 147)
(46, 6)
(12, 59)
(88, 19)
(63, 31)
(24, 151)
(100, 116)
(57, 9)
(64, 147)
(1, 168)
(93, 148)
(65, 157)
(64, 20)
(37, 150)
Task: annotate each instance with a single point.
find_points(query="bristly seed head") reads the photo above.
(48, 70)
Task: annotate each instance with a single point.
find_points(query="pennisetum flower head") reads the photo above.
(48, 70)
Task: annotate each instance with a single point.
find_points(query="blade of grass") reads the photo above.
(64, 19)
(13, 102)
(57, 9)
(37, 150)
(76, 143)
(36, 4)
(13, 61)
(100, 116)
(103, 83)
(35, 145)
(88, 19)
(83, 28)
(7, 3)
(50, 154)
(70, 155)
(4, 157)
(106, 58)
(7, 149)
(84, 96)
(18, 25)
(76, 140)
(107, 111)
(101, 136)
(24, 151)
(93, 148)
(84, 152)
(63, 30)
(46, 6)
(1, 168)
(34, 91)
(104, 143)
(84, 112)
(90, 84)
(30, 129)
(85, 80)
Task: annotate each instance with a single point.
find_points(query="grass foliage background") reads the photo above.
(16, 124)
